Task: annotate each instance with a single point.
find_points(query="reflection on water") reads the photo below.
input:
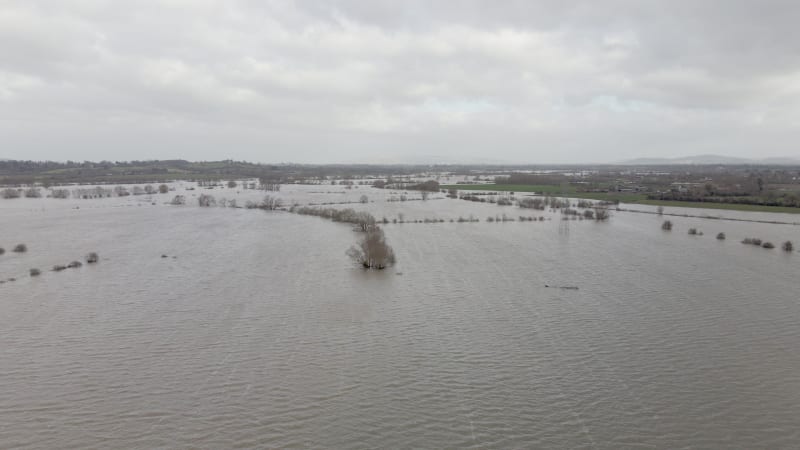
(259, 333)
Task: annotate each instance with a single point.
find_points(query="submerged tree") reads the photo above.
(372, 252)
(788, 246)
(667, 225)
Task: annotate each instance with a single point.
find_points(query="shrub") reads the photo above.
(721, 236)
(163, 189)
(667, 225)
(768, 245)
(693, 231)
(372, 252)
(20, 248)
(504, 201)
(59, 268)
(787, 246)
(588, 214)
(178, 200)
(232, 184)
(35, 272)
(92, 258)
(74, 264)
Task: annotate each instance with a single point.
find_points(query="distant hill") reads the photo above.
(711, 159)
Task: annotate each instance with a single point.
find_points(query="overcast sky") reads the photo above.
(398, 81)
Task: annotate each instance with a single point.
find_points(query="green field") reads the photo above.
(570, 191)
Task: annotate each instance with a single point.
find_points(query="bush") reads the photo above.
(787, 246)
(693, 231)
(271, 203)
(372, 252)
(667, 225)
(92, 258)
(232, 184)
(20, 248)
(768, 245)
(721, 236)
(35, 272)
(178, 200)
(163, 189)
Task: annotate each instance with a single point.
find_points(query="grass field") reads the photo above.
(569, 191)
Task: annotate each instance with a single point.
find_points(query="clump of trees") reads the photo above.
(271, 203)
(601, 214)
(10, 193)
(33, 192)
(59, 193)
(372, 251)
(667, 225)
(787, 246)
(363, 220)
(206, 201)
(531, 203)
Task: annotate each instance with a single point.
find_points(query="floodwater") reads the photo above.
(256, 331)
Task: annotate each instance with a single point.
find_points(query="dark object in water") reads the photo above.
(35, 272)
(59, 268)
(163, 256)
(92, 258)
(573, 288)
(74, 264)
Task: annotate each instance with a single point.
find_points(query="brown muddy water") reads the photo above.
(256, 331)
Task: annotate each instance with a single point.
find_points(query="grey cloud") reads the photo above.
(519, 81)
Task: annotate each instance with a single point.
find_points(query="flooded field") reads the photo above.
(256, 330)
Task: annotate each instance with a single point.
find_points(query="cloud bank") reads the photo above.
(414, 81)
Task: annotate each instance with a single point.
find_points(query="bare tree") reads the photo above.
(372, 252)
